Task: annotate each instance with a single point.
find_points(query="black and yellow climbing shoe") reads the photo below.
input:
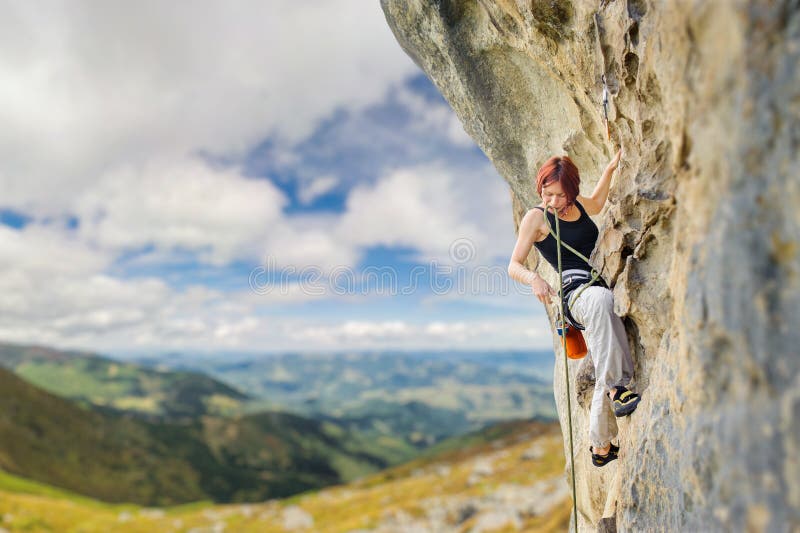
(624, 401)
(603, 460)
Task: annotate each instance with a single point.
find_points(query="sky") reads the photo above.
(248, 176)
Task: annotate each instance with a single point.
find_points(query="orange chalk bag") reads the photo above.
(576, 346)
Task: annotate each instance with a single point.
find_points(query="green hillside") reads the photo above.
(104, 382)
(115, 458)
(516, 467)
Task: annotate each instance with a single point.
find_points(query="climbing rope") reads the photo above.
(566, 365)
(563, 325)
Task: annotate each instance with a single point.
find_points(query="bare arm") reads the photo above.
(594, 203)
(529, 230)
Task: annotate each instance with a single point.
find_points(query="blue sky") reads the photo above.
(288, 190)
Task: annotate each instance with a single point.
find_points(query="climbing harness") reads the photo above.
(594, 277)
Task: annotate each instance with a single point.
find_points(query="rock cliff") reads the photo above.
(700, 238)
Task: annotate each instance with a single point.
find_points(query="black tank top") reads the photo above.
(581, 234)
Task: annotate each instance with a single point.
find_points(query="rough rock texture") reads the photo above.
(700, 238)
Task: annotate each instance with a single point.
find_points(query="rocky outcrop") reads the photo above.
(700, 238)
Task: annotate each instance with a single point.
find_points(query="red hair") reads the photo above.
(563, 170)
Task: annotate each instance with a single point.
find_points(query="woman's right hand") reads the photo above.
(615, 162)
(542, 290)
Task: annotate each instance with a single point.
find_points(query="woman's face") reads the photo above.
(553, 196)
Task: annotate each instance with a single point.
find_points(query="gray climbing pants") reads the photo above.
(608, 348)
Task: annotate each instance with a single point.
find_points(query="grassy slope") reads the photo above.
(365, 503)
(49, 439)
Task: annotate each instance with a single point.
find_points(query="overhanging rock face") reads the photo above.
(700, 238)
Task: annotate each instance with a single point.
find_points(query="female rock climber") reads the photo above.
(558, 185)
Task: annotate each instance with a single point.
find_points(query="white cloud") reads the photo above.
(54, 294)
(434, 116)
(180, 204)
(187, 205)
(106, 107)
(107, 314)
(512, 297)
(443, 329)
(56, 289)
(520, 333)
(69, 305)
(47, 253)
(88, 86)
(317, 187)
(100, 312)
(430, 207)
(351, 330)
(301, 242)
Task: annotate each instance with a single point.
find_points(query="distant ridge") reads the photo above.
(121, 386)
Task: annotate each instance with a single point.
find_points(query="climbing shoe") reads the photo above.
(624, 401)
(603, 460)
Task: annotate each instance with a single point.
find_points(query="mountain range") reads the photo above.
(255, 428)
